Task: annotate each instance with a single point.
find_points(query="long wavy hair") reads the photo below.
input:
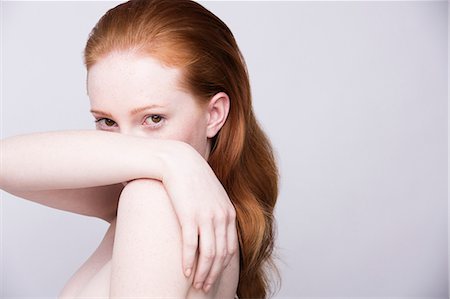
(186, 35)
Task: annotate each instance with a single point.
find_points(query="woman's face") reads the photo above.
(136, 95)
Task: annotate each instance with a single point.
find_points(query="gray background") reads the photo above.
(354, 98)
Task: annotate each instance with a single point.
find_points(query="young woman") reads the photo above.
(188, 185)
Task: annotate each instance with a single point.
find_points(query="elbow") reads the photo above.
(6, 183)
(2, 173)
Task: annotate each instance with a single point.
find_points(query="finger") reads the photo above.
(190, 243)
(232, 241)
(221, 254)
(207, 254)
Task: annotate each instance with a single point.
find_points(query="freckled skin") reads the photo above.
(122, 81)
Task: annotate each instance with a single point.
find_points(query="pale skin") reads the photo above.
(161, 151)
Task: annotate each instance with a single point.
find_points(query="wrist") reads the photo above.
(173, 155)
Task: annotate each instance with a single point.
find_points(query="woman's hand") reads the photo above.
(205, 212)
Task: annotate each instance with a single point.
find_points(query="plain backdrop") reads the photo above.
(354, 98)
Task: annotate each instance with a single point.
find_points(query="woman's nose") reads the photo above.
(132, 131)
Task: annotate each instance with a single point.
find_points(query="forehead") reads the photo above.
(127, 76)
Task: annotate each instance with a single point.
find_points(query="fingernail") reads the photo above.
(198, 286)
(207, 287)
(188, 272)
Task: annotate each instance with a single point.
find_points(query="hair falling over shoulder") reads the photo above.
(184, 34)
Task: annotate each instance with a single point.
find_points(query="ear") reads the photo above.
(218, 109)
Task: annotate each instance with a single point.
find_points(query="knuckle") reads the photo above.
(190, 245)
(211, 278)
(209, 255)
(200, 277)
(232, 250)
(221, 233)
(221, 217)
(198, 281)
(206, 218)
(223, 257)
(232, 214)
(223, 254)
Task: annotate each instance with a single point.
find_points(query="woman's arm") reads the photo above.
(85, 159)
(147, 252)
(100, 201)
(78, 159)
(53, 157)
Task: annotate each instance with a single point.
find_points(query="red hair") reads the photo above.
(185, 35)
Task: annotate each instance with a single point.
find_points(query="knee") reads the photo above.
(146, 203)
(141, 186)
(143, 194)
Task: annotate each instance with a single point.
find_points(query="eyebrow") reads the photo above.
(132, 112)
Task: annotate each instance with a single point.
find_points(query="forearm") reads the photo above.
(79, 159)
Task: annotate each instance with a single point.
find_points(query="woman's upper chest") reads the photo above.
(92, 279)
(92, 267)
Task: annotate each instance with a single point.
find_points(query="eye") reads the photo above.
(154, 120)
(106, 121)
